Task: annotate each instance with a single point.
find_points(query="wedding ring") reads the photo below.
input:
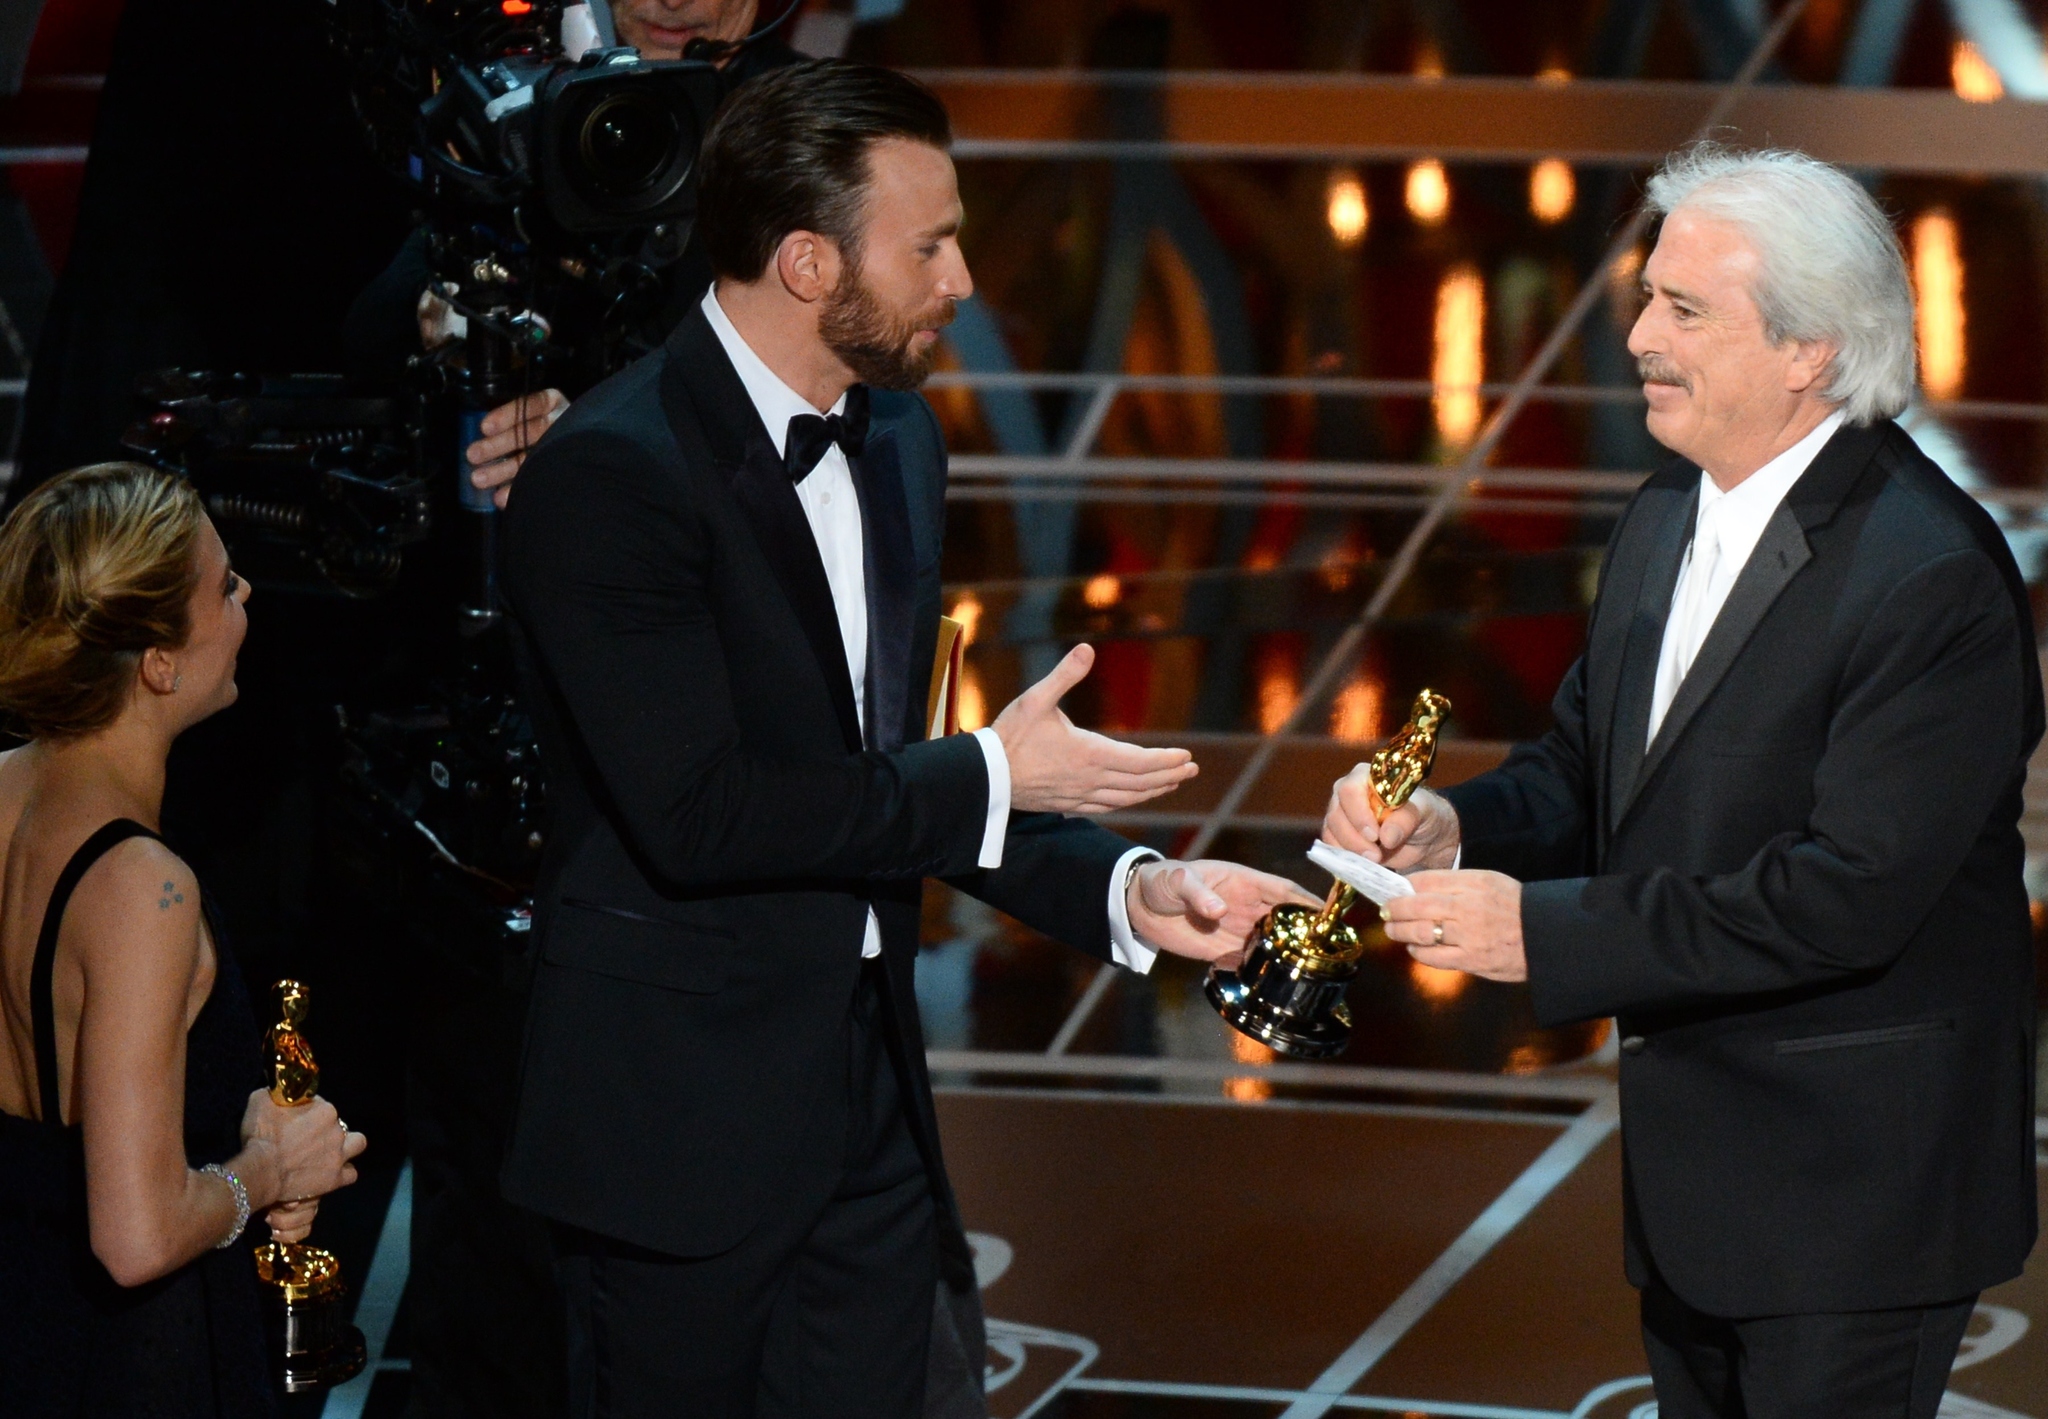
(1436, 935)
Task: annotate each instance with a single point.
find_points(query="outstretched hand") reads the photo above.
(1057, 768)
(1205, 910)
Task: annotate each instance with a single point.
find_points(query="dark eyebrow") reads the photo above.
(949, 227)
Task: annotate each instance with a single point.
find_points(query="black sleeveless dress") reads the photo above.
(72, 1343)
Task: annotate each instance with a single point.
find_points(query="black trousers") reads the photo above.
(824, 1309)
(1848, 1365)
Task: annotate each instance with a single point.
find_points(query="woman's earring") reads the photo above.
(176, 681)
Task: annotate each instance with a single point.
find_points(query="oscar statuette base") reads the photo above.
(312, 1343)
(1285, 997)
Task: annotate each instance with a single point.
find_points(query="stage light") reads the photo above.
(1348, 213)
(973, 704)
(1459, 363)
(515, 8)
(1435, 984)
(1102, 592)
(1248, 1051)
(1938, 291)
(1429, 65)
(1552, 190)
(1279, 687)
(1553, 74)
(1355, 713)
(1973, 75)
(967, 611)
(1428, 192)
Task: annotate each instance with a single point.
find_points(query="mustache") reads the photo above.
(1651, 370)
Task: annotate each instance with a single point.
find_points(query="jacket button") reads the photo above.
(1632, 1044)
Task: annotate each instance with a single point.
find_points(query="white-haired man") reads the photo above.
(1775, 829)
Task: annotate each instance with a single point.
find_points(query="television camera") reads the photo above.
(556, 173)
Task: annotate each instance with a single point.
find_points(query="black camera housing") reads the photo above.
(619, 142)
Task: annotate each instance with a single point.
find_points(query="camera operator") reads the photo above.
(398, 315)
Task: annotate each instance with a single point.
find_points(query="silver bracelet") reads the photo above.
(241, 1204)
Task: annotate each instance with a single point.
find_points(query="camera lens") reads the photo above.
(627, 143)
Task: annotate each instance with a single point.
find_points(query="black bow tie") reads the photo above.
(811, 434)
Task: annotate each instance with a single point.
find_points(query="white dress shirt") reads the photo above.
(832, 508)
(1728, 528)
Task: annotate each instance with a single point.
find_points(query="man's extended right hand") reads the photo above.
(1420, 835)
(1056, 768)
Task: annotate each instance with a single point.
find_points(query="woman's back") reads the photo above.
(135, 1138)
(73, 1342)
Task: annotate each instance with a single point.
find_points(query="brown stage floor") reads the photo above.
(1175, 1245)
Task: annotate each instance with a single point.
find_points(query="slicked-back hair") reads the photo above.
(789, 153)
(1829, 266)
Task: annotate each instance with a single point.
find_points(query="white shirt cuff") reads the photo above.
(998, 798)
(1124, 946)
(1458, 858)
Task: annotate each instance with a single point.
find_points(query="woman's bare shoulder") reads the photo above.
(138, 893)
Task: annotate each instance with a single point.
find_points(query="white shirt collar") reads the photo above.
(774, 401)
(1742, 513)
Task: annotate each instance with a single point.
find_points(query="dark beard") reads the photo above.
(854, 327)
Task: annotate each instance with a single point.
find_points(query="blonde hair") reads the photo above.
(96, 566)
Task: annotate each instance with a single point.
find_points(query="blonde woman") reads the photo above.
(135, 1138)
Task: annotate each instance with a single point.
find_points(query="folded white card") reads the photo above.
(1381, 884)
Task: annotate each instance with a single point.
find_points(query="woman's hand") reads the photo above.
(292, 1221)
(311, 1150)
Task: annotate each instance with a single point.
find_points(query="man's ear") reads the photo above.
(808, 265)
(1811, 361)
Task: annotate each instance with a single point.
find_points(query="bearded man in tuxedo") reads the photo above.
(723, 572)
(1775, 831)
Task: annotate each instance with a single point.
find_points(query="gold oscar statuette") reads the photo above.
(1288, 993)
(312, 1342)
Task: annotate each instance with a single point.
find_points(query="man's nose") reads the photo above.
(957, 283)
(1639, 336)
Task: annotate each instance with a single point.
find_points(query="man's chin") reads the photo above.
(1666, 427)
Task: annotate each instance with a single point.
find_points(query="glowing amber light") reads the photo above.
(1553, 74)
(1102, 592)
(515, 8)
(1279, 689)
(1348, 213)
(1428, 193)
(1435, 984)
(967, 611)
(1938, 286)
(1552, 190)
(1972, 75)
(1355, 714)
(1459, 362)
(973, 706)
(1248, 1051)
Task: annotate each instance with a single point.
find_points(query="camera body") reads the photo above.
(608, 144)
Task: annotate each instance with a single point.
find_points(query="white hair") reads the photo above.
(1829, 267)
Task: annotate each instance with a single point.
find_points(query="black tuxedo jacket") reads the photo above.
(719, 829)
(1804, 900)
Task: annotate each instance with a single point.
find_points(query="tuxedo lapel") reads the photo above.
(1779, 555)
(700, 374)
(1662, 553)
(891, 572)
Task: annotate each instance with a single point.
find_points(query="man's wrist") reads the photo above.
(1126, 948)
